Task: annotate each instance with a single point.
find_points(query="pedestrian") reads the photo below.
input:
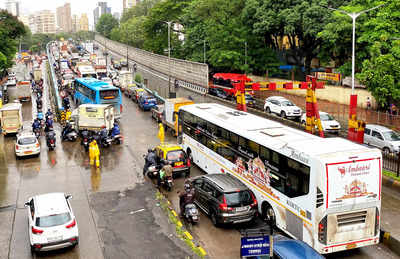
(68, 115)
(94, 153)
(161, 134)
(368, 103)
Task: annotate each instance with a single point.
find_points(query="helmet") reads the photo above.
(187, 186)
(149, 150)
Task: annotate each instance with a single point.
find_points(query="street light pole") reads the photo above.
(245, 56)
(354, 16)
(204, 51)
(169, 59)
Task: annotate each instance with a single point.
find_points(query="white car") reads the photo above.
(282, 106)
(328, 123)
(382, 137)
(51, 222)
(26, 144)
(11, 74)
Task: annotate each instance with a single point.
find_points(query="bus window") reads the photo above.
(109, 94)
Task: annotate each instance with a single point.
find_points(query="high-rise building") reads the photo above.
(32, 23)
(84, 23)
(12, 6)
(75, 23)
(100, 10)
(64, 21)
(126, 4)
(24, 19)
(44, 22)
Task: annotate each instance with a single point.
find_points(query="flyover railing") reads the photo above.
(53, 83)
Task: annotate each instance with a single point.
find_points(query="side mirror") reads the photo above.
(27, 204)
(68, 197)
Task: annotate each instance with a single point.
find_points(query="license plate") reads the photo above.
(194, 217)
(54, 239)
(240, 209)
(170, 181)
(27, 152)
(178, 163)
(351, 246)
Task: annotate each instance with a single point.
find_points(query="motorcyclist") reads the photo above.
(49, 124)
(149, 160)
(115, 130)
(49, 113)
(103, 133)
(164, 172)
(186, 197)
(66, 102)
(39, 103)
(35, 125)
(67, 129)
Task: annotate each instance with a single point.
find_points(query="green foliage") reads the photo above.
(140, 9)
(138, 78)
(106, 24)
(10, 32)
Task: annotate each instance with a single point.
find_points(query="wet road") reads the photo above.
(218, 242)
(66, 169)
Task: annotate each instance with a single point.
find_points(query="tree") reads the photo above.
(105, 24)
(10, 32)
(140, 9)
(299, 21)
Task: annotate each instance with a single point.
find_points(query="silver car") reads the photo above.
(382, 137)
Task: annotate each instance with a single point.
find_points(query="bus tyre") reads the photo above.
(268, 214)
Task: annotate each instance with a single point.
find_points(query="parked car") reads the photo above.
(328, 123)
(117, 65)
(12, 81)
(287, 248)
(382, 137)
(137, 93)
(175, 155)
(130, 90)
(224, 198)
(282, 106)
(26, 144)
(51, 222)
(157, 112)
(147, 101)
(218, 92)
(250, 100)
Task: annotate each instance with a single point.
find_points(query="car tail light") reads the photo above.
(17, 147)
(72, 224)
(224, 206)
(52, 141)
(254, 204)
(37, 246)
(322, 232)
(120, 108)
(37, 145)
(36, 231)
(72, 239)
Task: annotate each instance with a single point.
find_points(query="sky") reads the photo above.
(77, 6)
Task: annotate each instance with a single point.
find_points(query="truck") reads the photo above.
(100, 67)
(125, 79)
(170, 114)
(93, 117)
(24, 91)
(37, 74)
(11, 118)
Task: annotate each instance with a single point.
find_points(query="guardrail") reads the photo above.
(53, 82)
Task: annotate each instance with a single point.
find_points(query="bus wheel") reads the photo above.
(268, 214)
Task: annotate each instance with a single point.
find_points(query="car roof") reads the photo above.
(226, 182)
(377, 127)
(25, 134)
(50, 203)
(295, 249)
(169, 147)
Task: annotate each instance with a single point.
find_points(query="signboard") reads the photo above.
(328, 76)
(255, 246)
(353, 182)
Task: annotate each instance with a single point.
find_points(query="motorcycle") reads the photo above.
(117, 139)
(70, 136)
(51, 140)
(191, 213)
(105, 141)
(86, 139)
(37, 132)
(167, 182)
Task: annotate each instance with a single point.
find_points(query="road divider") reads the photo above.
(53, 83)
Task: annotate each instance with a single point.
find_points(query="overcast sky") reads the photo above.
(77, 6)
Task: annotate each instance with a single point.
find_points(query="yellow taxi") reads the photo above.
(137, 93)
(174, 154)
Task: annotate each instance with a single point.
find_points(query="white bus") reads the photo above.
(324, 191)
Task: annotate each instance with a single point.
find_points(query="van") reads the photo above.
(382, 137)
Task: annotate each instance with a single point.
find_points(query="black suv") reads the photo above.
(224, 198)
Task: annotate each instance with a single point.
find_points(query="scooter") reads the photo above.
(117, 139)
(51, 140)
(105, 141)
(191, 213)
(167, 182)
(37, 132)
(70, 136)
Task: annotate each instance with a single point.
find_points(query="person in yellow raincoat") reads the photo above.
(161, 135)
(94, 153)
(68, 115)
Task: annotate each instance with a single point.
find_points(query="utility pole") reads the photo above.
(169, 61)
(204, 51)
(245, 57)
